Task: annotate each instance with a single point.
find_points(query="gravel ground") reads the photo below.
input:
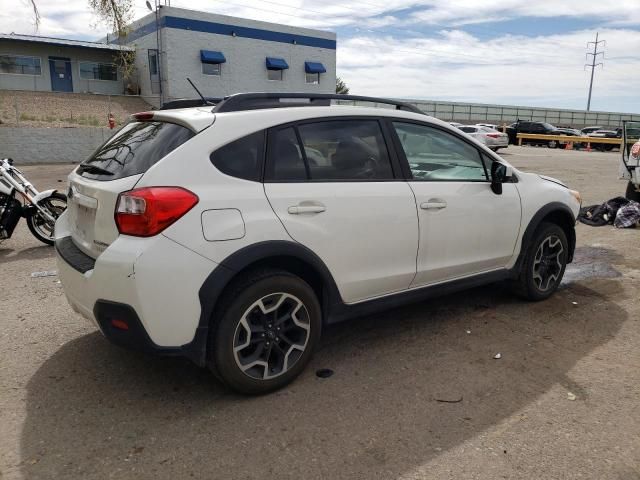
(562, 402)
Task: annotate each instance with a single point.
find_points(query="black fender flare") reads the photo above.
(224, 273)
(535, 222)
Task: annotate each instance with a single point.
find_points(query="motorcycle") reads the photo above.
(40, 209)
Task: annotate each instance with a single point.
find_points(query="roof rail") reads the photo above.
(190, 102)
(257, 101)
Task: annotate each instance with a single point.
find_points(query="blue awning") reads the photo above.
(276, 63)
(209, 56)
(314, 67)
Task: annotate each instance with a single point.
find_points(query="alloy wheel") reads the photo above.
(547, 264)
(271, 336)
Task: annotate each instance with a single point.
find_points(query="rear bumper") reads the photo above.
(497, 142)
(134, 337)
(151, 282)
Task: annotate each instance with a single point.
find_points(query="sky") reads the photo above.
(510, 52)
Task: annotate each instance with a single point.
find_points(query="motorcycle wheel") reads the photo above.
(55, 204)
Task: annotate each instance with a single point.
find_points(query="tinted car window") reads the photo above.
(468, 129)
(134, 149)
(241, 158)
(436, 155)
(346, 150)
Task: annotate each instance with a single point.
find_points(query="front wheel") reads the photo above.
(266, 332)
(553, 144)
(632, 193)
(544, 263)
(38, 225)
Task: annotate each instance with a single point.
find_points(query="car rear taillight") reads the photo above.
(145, 212)
(494, 135)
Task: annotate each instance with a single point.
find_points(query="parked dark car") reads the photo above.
(539, 128)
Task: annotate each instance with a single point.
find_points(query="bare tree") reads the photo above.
(117, 14)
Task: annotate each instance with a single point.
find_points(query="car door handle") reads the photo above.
(433, 205)
(298, 209)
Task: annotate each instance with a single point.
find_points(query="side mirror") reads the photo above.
(500, 173)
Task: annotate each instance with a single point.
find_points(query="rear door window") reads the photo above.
(133, 150)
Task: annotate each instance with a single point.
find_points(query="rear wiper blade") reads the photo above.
(93, 169)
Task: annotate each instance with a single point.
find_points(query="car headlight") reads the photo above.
(576, 194)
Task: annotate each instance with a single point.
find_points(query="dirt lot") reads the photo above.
(74, 406)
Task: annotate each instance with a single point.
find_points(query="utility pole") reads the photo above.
(593, 64)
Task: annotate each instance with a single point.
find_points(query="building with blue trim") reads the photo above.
(223, 55)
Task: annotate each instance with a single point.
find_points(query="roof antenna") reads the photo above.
(204, 100)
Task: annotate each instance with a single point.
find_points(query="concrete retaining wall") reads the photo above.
(50, 145)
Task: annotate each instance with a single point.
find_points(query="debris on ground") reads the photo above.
(46, 273)
(324, 373)
(449, 400)
(468, 332)
(571, 396)
(574, 303)
(497, 356)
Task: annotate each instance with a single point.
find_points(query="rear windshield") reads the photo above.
(133, 150)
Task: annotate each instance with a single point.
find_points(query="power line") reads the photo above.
(593, 64)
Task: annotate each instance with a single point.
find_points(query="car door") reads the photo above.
(337, 191)
(465, 228)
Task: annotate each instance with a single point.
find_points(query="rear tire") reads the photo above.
(269, 325)
(55, 204)
(553, 144)
(632, 193)
(544, 263)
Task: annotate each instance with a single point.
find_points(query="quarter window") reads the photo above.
(212, 69)
(337, 150)
(241, 158)
(98, 71)
(436, 155)
(20, 65)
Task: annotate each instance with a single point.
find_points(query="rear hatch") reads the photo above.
(114, 168)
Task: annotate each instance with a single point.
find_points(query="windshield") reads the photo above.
(133, 150)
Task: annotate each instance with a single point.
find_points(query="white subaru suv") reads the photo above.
(232, 234)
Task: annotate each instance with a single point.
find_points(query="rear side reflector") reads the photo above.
(145, 212)
(494, 135)
(119, 324)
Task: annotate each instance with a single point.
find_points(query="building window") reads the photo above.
(212, 62)
(275, 67)
(313, 78)
(275, 75)
(211, 68)
(313, 71)
(98, 71)
(20, 65)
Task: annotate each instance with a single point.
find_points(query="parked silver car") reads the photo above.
(490, 137)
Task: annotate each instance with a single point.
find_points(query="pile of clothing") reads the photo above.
(619, 212)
